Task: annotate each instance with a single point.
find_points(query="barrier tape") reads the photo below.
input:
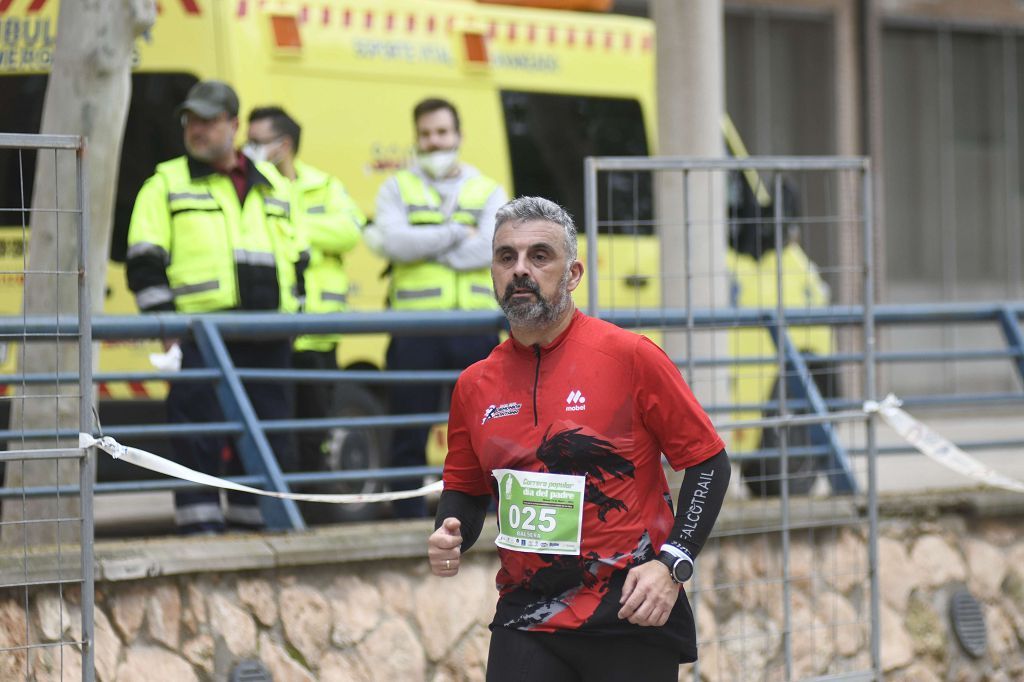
(938, 448)
(929, 443)
(147, 460)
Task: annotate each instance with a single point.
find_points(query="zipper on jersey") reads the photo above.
(536, 380)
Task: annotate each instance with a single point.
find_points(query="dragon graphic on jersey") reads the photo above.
(577, 454)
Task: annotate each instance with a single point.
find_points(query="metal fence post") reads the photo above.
(254, 449)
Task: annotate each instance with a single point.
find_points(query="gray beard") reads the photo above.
(539, 313)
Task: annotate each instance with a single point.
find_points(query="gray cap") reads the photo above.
(209, 99)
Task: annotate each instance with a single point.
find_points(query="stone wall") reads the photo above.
(358, 603)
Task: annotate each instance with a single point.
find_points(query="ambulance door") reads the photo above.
(549, 136)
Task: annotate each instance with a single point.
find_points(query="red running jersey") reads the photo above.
(602, 402)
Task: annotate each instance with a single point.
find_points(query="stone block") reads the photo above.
(108, 647)
(258, 595)
(750, 641)
(344, 665)
(306, 620)
(163, 614)
(199, 651)
(467, 662)
(897, 646)
(52, 616)
(896, 582)
(444, 618)
(395, 651)
(233, 624)
(128, 610)
(356, 607)
(151, 663)
(986, 566)
(282, 667)
(936, 562)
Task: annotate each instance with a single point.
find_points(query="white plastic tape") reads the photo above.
(938, 448)
(147, 460)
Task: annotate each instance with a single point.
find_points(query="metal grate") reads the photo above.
(968, 623)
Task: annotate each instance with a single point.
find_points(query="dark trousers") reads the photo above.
(424, 352)
(192, 403)
(313, 401)
(518, 656)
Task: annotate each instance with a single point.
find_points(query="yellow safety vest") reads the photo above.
(332, 222)
(218, 255)
(428, 285)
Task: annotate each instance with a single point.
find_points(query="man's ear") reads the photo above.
(575, 275)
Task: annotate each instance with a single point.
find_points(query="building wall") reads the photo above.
(358, 603)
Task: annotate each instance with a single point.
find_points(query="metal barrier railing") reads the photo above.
(212, 330)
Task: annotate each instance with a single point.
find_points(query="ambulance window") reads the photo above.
(550, 135)
(18, 168)
(152, 134)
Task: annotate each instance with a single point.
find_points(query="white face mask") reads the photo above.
(438, 164)
(256, 152)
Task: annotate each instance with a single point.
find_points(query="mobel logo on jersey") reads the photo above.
(575, 402)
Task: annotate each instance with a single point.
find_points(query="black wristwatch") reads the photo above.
(679, 569)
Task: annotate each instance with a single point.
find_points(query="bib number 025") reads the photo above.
(539, 512)
(528, 518)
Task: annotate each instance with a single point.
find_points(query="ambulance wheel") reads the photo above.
(763, 475)
(348, 450)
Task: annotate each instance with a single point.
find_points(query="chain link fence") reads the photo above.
(739, 269)
(46, 551)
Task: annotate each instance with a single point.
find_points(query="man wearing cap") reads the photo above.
(211, 232)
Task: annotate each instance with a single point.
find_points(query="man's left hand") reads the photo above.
(648, 594)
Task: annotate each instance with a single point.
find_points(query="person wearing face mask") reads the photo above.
(333, 223)
(434, 223)
(211, 232)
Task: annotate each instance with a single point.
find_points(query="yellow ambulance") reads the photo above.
(538, 90)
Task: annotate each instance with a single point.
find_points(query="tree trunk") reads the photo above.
(87, 94)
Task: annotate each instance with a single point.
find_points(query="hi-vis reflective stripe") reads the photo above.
(279, 203)
(147, 460)
(938, 448)
(506, 31)
(199, 287)
(151, 296)
(148, 248)
(180, 196)
(255, 258)
(410, 294)
(477, 289)
(333, 296)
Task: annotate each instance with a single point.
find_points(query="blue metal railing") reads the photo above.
(211, 332)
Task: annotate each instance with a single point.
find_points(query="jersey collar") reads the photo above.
(577, 318)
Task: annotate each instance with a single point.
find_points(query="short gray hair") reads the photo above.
(538, 208)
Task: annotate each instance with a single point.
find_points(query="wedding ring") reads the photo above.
(447, 564)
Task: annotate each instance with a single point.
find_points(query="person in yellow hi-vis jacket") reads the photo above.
(434, 222)
(211, 232)
(333, 223)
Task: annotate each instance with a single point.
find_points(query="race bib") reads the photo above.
(539, 512)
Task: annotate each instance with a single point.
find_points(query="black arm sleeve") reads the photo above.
(470, 510)
(700, 499)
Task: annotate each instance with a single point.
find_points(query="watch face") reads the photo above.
(682, 571)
